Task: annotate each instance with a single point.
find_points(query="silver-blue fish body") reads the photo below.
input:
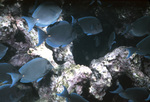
(61, 34)
(34, 69)
(140, 27)
(46, 14)
(73, 97)
(143, 46)
(135, 94)
(90, 25)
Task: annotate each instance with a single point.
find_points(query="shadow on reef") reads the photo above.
(20, 37)
(46, 80)
(87, 48)
(31, 93)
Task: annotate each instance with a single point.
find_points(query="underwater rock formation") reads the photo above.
(91, 72)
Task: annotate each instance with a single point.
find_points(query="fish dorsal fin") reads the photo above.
(64, 93)
(15, 78)
(30, 21)
(41, 36)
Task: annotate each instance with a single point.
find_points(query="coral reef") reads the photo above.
(83, 66)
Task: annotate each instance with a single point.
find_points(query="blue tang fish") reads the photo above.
(12, 94)
(142, 48)
(3, 50)
(140, 27)
(73, 97)
(32, 71)
(4, 69)
(111, 40)
(90, 25)
(47, 13)
(135, 94)
(60, 34)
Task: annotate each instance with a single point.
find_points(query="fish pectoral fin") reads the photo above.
(38, 80)
(89, 34)
(64, 45)
(30, 21)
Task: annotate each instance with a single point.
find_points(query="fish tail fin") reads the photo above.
(92, 2)
(64, 93)
(30, 21)
(118, 90)
(110, 47)
(97, 1)
(131, 50)
(148, 98)
(41, 36)
(128, 27)
(15, 78)
(73, 20)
